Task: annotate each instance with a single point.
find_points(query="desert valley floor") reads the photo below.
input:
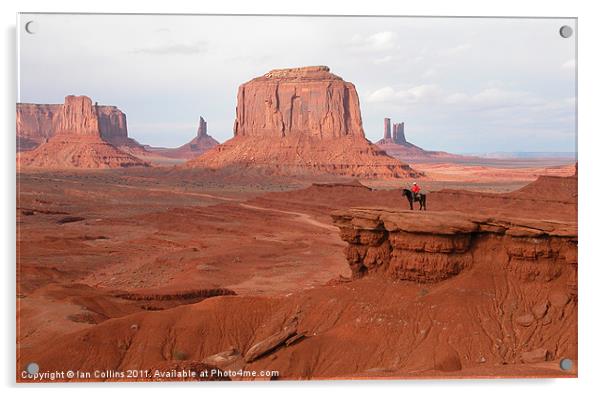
(169, 268)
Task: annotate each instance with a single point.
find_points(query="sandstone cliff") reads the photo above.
(309, 101)
(301, 121)
(430, 247)
(35, 124)
(77, 141)
(38, 122)
(522, 273)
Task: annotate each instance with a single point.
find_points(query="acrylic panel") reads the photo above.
(223, 197)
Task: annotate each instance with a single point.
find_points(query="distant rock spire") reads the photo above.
(202, 131)
(399, 136)
(387, 128)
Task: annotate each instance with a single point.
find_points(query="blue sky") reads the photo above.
(460, 84)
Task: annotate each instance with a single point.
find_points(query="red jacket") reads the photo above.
(415, 189)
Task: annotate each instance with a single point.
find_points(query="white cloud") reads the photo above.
(381, 95)
(492, 97)
(377, 42)
(418, 94)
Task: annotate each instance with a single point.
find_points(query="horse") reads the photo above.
(420, 197)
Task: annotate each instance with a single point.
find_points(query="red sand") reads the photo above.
(118, 270)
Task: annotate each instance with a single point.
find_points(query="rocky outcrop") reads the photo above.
(434, 246)
(201, 143)
(298, 121)
(114, 128)
(399, 136)
(77, 141)
(35, 124)
(78, 117)
(38, 122)
(272, 342)
(398, 147)
(387, 128)
(202, 129)
(307, 100)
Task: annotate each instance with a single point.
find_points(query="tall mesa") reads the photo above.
(301, 121)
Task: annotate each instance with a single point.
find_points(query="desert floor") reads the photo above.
(96, 247)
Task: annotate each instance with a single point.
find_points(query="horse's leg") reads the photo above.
(410, 201)
(424, 202)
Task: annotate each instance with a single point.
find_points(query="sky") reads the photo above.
(463, 85)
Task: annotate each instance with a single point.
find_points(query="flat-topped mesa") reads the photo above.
(304, 73)
(78, 141)
(301, 121)
(38, 122)
(434, 246)
(307, 100)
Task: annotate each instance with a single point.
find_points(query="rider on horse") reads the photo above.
(415, 190)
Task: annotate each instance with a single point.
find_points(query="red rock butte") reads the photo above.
(75, 138)
(301, 121)
(38, 122)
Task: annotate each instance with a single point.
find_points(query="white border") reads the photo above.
(590, 29)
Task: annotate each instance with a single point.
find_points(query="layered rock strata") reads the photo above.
(38, 122)
(434, 246)
(77, 141)
(301, 120)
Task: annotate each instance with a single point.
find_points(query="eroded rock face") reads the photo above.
(77, 141)
(201, 143)
(113, 125)
(35, 124)
(202, 129)
(308, 100)
(301, 120)
(38, 122)
(399, 136)
(78, 117)
(431, 247)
